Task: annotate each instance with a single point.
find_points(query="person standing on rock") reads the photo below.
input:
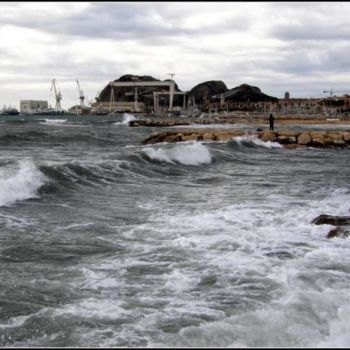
(271, 120)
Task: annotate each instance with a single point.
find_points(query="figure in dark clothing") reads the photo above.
(271, 120)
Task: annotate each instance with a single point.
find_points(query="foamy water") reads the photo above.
(193, 244)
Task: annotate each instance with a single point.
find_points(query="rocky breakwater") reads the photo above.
(287, 138)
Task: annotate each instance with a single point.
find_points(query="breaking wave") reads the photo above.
(20, 181)
(126, 119)
(243, 140)
(54, 121)
(187, 154)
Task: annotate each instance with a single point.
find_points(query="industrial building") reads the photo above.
(31, 106)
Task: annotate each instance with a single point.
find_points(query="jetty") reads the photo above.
(176, 131)
(287, 138)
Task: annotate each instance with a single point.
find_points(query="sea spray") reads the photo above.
(126, 119)
(20, 182)
(256, 141)
(187, 154)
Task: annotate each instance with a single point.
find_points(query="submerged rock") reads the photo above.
(331, 220)
(336, 221)
(338, 232)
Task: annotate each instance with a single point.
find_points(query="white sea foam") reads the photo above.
(187, 154)
(255, 140)
(253, 299)
(54, 121)
(20, 181)
(127, 117)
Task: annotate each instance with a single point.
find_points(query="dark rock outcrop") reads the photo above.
(245, 92)
(203, 91)
(125, 94)
(331, 220)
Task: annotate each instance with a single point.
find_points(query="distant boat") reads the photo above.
(47, 112)
(9, 111)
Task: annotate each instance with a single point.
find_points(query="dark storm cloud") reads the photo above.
(143, 21)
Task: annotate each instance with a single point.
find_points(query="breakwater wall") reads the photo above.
(287, 138)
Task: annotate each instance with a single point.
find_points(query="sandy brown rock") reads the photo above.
(304, 139)
(268, 136)
(223, 136)
(190, 137)
(318, 141)
(288, 133)
(346, 136)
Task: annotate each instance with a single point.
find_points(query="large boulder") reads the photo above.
(268, 136)
(304, 139)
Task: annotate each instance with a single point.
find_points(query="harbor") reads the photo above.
(145, 95)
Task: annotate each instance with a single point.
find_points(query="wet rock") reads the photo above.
(331, 220)
(304, 139)
(318, 141)
(221, 136)
(268, 136)
(338, 232)
(288, 133)
(286, 139)
(208, 136)
(346, 136)
(174, 138)
(190, 137)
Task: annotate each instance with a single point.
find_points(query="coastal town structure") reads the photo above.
(145, 94)
(148, 95)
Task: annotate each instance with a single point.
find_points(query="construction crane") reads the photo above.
(58, 95)
(81, 94)
(331, 92)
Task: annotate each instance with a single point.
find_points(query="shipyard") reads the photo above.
(145, 95)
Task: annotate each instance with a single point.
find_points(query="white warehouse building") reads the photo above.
(30, 106)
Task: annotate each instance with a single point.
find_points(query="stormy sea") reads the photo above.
(106, 242)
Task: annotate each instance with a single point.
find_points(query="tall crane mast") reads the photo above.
(81, 94)
(58, 95)
(331, 92)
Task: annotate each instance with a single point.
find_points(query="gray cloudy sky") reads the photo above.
(300, 47)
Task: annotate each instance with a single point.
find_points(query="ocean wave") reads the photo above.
(53, 121)
(187, 154)
(20, 181)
